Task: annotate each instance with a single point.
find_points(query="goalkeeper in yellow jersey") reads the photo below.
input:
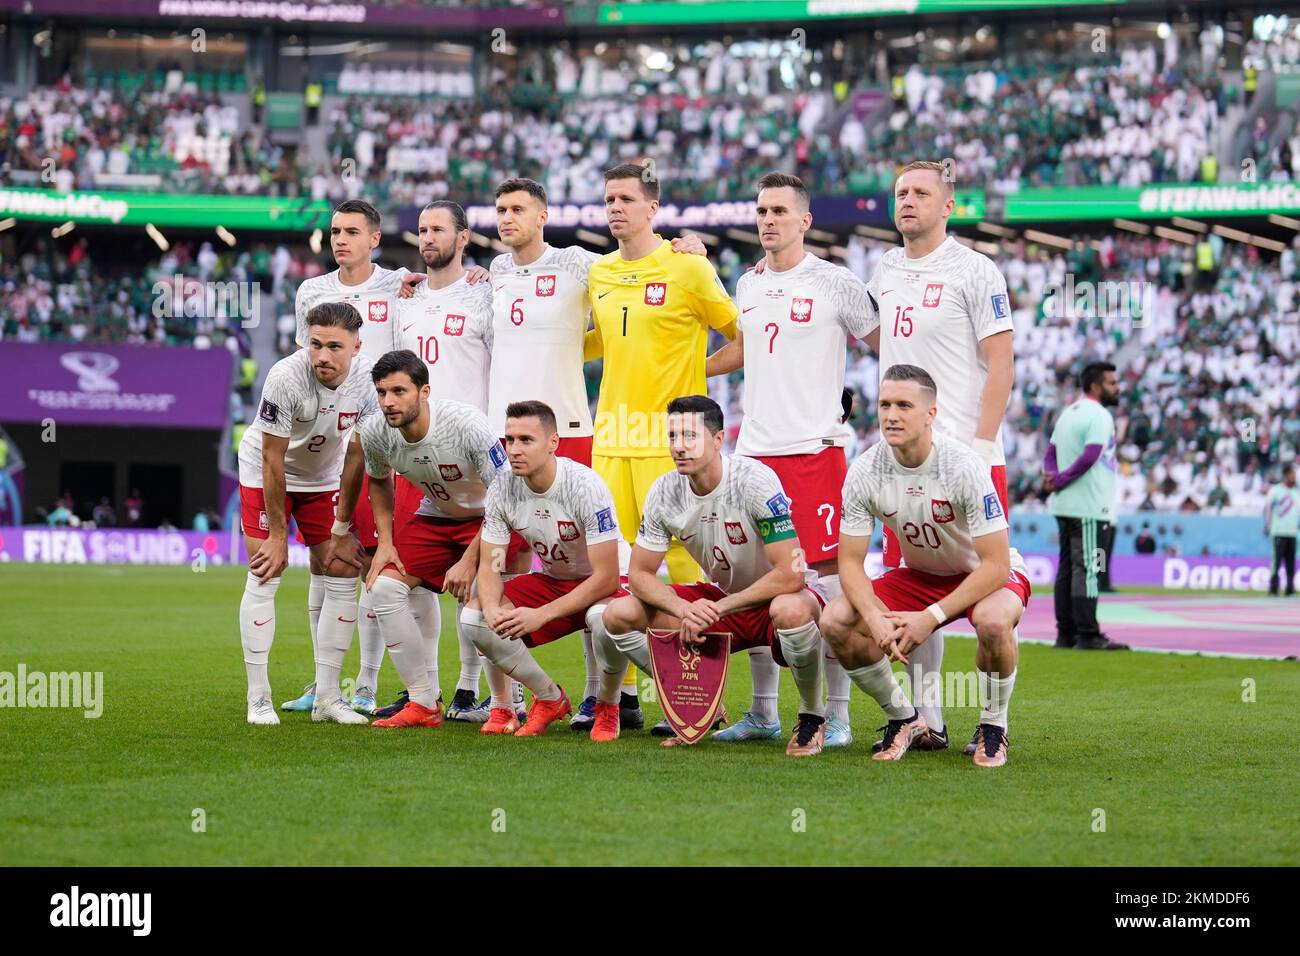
(652, 312)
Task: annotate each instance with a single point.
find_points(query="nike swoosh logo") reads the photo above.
(688, 536)
(888, 514)
(370, 616)
(829, 547)
(601, 295)
(750, 309)
(347, 620)
(260, 623)
(886, 292)
(405, 327)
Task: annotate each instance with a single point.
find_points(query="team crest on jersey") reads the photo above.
(941, 511)
(347, 419)
(736, 532)
(455, 325)
(545, 285)
(263, 522)
(656, 293)
(933, 293)
(992, 507)
(568, 530)
(1000, 305)
(269, 412)
(377, 311)
(801, 310)
(605, 520)
(449, 472)
(497, 455)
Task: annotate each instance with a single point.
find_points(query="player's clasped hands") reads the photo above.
(271, 559)
(698, 616)
(911, 629)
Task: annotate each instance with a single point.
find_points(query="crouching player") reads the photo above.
(733, 518)
(446, 449)
(937, 497)
(566, 515)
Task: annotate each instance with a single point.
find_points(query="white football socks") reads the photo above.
(995, 698)
(471, 664)
(837, 685)
(315, 599)
(593, 666)
(338, 618)
(257, 631)
(767, 683)
(925, 674)
(372, 643)
(611, 663)
(802, 649)
(511, 657)
(428, 615)
(877, 682)
(391, 601)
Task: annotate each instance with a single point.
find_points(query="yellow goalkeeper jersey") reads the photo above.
(652, 319)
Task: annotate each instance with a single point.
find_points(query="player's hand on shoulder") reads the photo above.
(690, 244)
(760, 266)
(409, 282)
(475, 274)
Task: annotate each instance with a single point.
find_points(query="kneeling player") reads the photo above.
(446, 449)
(733, 518)
(565, 513)
(936, 495)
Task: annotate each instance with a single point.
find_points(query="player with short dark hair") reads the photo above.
(291, 461)
(565, 514)
(733, 518)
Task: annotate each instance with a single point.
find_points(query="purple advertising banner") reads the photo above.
(80, 384)
(256, 12)
(148, 546)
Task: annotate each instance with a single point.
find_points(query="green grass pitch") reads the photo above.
(1184, 770)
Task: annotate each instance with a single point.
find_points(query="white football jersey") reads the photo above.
(934, 510)
(725, 530)
(559, 525)
(453, 464)
(451, 329)
(933, 313)
(540, 313)
(796, 326)
(376, 299)
(318, 422)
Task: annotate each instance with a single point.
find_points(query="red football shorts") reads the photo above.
(406, 499)
(312, 510)
(575, 449)
(894, 554)
(906, 589)
(537, 590)
(813, 484)
(751, 627)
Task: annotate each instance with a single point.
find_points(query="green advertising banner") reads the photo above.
(166, 209)
(731, 11)
(1162, 201)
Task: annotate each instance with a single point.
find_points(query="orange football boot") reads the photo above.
(412, 715)
(501, 720)
(543, 714)
(606, 725)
